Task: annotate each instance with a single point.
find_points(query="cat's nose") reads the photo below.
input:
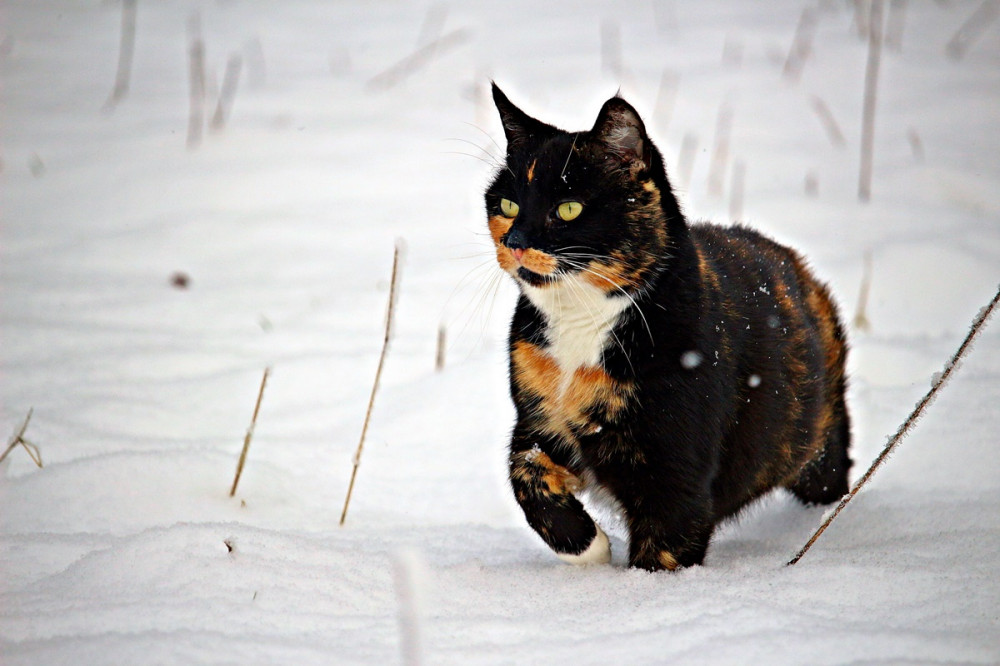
(518, 253)
(515, 239)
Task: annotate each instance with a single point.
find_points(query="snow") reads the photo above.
(126, 547)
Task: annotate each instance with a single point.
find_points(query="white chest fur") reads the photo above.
(579, 320)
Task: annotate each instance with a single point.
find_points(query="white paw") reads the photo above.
(598, 552)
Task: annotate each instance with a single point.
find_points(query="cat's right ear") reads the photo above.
(520, 129)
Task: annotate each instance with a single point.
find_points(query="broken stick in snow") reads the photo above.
(936, 384)
(378, 375)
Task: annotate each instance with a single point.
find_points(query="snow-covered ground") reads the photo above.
(126, 547)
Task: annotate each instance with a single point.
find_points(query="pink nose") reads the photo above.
(518, 253)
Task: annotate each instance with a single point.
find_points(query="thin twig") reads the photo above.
(249, 435)
(230, 80)
(442, 344)
(417, 60)
(720, 151)
(18, 439)
(378, 375)
(611, 48)
(828, 121)
(938, 381)
(801, 48)
(861, 314)
(896, 25)
(737, 185)
(685, 161)
(196, 73)
(868, 112)
(126, 50)
(972, 29)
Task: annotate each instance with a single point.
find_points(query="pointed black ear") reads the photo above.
(521, 129)
(621, 131)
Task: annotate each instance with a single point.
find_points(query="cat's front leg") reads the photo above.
(670, 522)
(544, 489)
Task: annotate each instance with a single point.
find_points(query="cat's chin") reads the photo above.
(536, 279)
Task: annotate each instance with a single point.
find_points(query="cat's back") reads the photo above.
(753, 275)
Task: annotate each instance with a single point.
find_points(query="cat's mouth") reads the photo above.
(534, 267)
(536, 279)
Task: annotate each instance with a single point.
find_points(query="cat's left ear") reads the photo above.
(621, 131)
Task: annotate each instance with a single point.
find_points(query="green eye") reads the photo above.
(569, 210)
(509, 208)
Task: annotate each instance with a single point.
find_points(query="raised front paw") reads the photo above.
(544, 489)
(598, 552)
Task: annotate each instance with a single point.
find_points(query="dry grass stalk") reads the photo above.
(230, 81)
(862, 17)
(812, 184)
(861, 314)
(916, 144)
(666, 98)
(196, 73)
(611, 48)
(19, 440)
(896, 25)
(938, 381)
(826, 119)
(442, 344)
(737, 187)
(720, 151)
(685, 160)
(249, 435)
(416, 61)
(871, 90)
(973, 29)
(801, 48)
(126, 50)
(378, 375)
(433, 24)
(407, 574)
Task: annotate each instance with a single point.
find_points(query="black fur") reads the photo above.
(722, 379)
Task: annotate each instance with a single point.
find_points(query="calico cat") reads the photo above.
(682, 369)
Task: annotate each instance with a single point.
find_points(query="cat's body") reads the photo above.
(683, 369)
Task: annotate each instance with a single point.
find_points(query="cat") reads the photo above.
(682, 369)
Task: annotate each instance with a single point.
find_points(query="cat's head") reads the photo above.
(594, 204)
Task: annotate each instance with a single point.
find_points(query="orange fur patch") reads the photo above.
(536, 466)
(531, 171)
(668, 560)
(566, 402)
(539, 262)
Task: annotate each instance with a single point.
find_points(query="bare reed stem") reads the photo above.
(868, 112)
(249, 435)
(230, 80)
(938, 381)
(417, 60)
(737, 186)
(407, 570)
(685, 160)
(378, 375)
(972, 29)
(828, 121)
(861, 314)
(19, 440)
(611, 48)
(442, 344)
(126, 50)
(801, 48)
(720, 151)
(196, 73)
